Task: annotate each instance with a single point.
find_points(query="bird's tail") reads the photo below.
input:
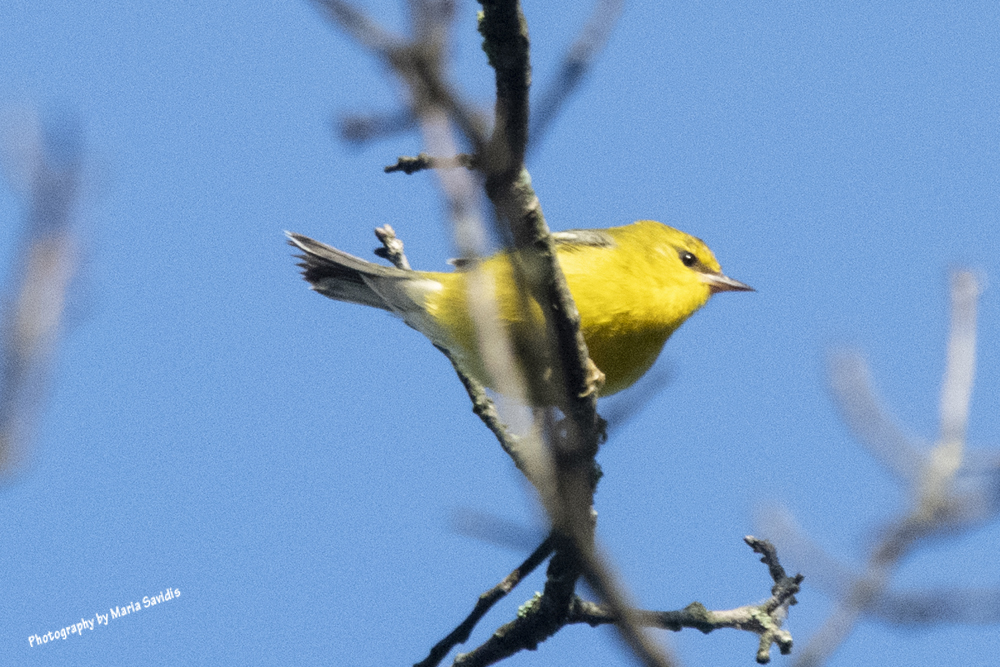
(344, 277)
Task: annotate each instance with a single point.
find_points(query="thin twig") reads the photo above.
(361, 27)
(972, 606)
(415, 62)
(956, 392)
(392, 247)
(863, 412)
(492, 529)
(574, 66)
(486, 601)
(363, 128)
(411, 165)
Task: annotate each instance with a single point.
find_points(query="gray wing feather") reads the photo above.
(570, 238)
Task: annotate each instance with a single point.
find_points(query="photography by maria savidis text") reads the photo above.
(103, 619)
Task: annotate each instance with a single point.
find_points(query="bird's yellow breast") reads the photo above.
(632, 293)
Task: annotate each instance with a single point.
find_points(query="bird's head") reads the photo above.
(691, 260)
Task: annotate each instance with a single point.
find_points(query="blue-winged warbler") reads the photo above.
(633, 285)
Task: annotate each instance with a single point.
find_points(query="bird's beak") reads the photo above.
(720, 283)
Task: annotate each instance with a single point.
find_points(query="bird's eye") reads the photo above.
(688, 259)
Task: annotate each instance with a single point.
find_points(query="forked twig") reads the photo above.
(486, 601)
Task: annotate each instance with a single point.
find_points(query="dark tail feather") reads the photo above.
(338, 275)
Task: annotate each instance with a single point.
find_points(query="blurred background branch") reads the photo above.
(574, 66)
(44, 164)
(948, 497)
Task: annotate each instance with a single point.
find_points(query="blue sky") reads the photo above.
(291, 464)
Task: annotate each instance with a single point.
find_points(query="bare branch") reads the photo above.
(361, 129)
(486, 601)
(493, 529)
(392, 247)
(575, 64)
(825, 572)
(861, 409)
(50, 161)
(538, 618)
(411, 165)
(508, 185)
(764, 619)
(956, 392)
(943, 501)
(569, 501)
(505, 41)
(417, 63)
(361, 27)
(978, 606)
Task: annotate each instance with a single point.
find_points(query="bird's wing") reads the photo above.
(582, 238)
(570, 239)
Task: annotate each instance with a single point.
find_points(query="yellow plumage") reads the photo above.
(633, 285)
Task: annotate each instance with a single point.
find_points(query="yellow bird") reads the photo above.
(633, 285)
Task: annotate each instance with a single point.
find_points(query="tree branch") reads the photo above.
(392, 247)
(938, 504)
(556, 456)
(486, 601)
(411, 165)
(575, 64)
(49, 160)
(538, 618)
